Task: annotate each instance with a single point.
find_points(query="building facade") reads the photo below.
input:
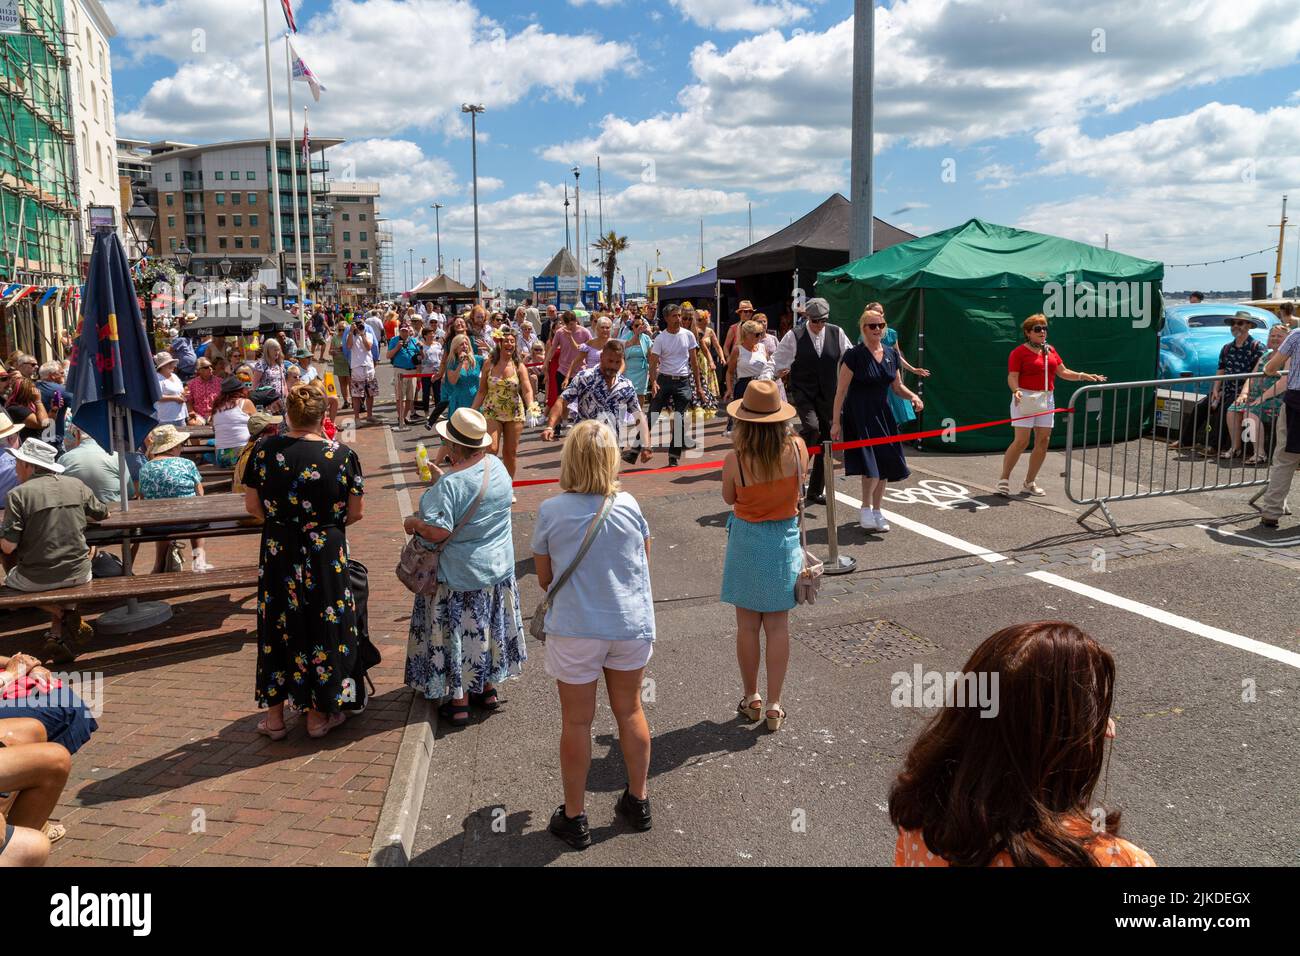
(39, 215)
(357, 239)
(90, 82)
(216, 201)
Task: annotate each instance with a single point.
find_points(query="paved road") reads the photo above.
(1197, 620)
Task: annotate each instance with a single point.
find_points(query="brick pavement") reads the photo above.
(177, 774)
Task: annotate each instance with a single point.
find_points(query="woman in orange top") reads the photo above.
(1007, 780)
(760, 479)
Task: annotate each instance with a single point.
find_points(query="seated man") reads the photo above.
(8, 463)
(43, 539)
(96, 468)
(33, 774)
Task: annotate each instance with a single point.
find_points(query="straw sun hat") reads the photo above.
(166, 437)
(762, 403)
(466, 427)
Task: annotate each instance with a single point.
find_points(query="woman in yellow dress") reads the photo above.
(505, 395)
(704, 404)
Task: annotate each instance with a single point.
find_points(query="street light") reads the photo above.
(437, 228)
(183, 256)
(473, 110)
(141, 220)
(224, 266)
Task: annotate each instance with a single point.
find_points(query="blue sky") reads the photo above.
(1172, 126)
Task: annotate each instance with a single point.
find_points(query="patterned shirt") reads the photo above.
(203, 393)
(169, 478)
(1289, 347)
(589, 397)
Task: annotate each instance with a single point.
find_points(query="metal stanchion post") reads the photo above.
(835, 562)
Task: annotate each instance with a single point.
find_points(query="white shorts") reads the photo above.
(580, 660)
(406, 386)
(1031, 403)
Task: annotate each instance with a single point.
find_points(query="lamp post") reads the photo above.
(141, 220)
(224, 265)
(437, 228)
(184, 255)
(473, 110)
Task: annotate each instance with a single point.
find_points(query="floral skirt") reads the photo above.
(704, 400)
(461, 641)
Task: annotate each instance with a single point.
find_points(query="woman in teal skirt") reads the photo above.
(761, 480)
(901, 407)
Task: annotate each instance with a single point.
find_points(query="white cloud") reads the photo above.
(388, 65)
(753, 16)
(404, 173)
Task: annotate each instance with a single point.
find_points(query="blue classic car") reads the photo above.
(1193, 336)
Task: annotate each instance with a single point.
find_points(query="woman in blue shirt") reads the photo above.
(636, 358)
(460, 383)
(601, 620)
(468, 636)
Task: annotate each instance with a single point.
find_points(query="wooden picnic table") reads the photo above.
(162, 512)
(199, 432)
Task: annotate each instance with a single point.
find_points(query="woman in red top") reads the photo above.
(1032, 370)
(1005, 774)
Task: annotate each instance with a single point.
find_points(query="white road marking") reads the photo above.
(944, 495)
(1277, 543)
(992, 557)
(1239, 641)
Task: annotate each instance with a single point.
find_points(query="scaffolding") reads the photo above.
(39, 216)
(386, 280)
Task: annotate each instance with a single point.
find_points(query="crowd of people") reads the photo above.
(600, 382)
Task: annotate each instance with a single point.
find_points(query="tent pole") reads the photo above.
(920, 353)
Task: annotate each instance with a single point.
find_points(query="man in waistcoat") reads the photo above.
(812, 353)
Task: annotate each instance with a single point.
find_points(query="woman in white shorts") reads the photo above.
(1032, 370)
(600, 621)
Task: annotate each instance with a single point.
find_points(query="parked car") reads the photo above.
(1193, 336)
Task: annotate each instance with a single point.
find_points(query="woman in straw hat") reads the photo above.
(761, 481)
(172, 405)
(168, 475)
(468, 636)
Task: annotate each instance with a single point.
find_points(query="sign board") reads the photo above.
(9, 17)
(545, 284)
(593, 284)
(567, 283)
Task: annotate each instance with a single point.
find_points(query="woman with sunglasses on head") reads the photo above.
(1032, 370)
(868, 373)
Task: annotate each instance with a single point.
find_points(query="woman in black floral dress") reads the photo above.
(307, 490)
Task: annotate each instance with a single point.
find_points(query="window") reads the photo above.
(103, 60)
(94, 99)
(363, 237)
(234, 199)
(221, 199)
(362, 217)
(252, 220)
(234, 174)
(239, 242)
(108, 117)
(347, 253)
(171, 222)
(250, 175)
(78, 83)
(167, 177)
(221, 242)
(218, 174)
(239, 220)
(252, 199)
(347, 237)
(221, 222)
(171, 197)
(254, 242)
(99, 162)
(365, 254)
(172, 243)
(90, 49)
(345, 217)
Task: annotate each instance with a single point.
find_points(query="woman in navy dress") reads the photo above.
(867, 375)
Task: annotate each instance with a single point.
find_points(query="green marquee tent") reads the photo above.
(957, 299)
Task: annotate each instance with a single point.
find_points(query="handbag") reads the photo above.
(810, 578)
(537, 626)
(417, 568)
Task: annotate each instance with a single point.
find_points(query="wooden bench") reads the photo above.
(143, 586)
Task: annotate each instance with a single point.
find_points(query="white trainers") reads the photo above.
(867, 520)
(881, 523)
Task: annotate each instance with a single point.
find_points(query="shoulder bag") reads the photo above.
(417, 568)
(537, 626)
(810, 578)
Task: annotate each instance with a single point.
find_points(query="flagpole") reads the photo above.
(293, 188)
(311, 201)
(276, 236)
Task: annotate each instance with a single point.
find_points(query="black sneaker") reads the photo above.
(629, 457)
(635, 812)
(573, 831)
(673, 461)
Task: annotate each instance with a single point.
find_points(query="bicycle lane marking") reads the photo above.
(1239, 641)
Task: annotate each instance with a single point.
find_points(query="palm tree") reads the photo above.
(610, 246)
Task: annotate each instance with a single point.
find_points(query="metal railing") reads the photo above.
(1128, 441)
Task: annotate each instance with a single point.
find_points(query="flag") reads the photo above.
(49, 294)
(287, 7)
(301, 71)
(306, 146)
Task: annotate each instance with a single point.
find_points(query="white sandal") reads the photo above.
(1032, 488)
(1004, 487)
(774, 723)
(749, 708)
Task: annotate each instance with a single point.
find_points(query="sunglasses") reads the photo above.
(1242, 325)
(1039, 328)
(872, 325)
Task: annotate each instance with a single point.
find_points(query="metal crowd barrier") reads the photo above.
(1127, 441)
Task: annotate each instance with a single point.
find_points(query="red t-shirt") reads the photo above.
(1029, 363)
